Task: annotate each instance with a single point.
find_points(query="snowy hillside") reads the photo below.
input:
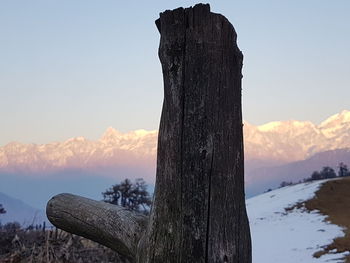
(293, 236)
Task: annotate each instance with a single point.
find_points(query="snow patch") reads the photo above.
(342, 117)
(294, 236)
(269, 126)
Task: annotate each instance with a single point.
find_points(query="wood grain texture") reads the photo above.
(199, 209)
(110, 225)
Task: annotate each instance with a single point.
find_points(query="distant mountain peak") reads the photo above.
(269, 126)
(110, 132)
(339, 118)
(142, 132)
(76, 139)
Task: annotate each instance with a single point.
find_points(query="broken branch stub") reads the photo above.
(110, 225)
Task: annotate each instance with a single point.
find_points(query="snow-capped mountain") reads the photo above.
(288, 141)
(274, 143)
(112, 149)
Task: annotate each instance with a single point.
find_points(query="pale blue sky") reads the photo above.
(74, 68)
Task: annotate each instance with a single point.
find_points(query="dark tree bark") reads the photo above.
(198, 213)
(199, 209)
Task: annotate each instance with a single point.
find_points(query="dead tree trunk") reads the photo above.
(198, 213)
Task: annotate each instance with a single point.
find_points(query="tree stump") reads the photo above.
(198, 212)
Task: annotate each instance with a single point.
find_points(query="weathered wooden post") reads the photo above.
(198, 213)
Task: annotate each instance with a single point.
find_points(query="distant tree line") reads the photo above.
(329, 173)
(326, 173)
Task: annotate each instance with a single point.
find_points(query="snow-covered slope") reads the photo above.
(293, 236)
(273, 143)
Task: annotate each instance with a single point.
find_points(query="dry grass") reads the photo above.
(333, 200)
(50, 246)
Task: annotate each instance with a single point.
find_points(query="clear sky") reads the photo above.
(74, 68)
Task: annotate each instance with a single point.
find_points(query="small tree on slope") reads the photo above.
(2, 209)
(343, 170)
(131, 195)
(327, 173)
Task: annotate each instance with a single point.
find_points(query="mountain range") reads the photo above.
(270, 150)
(112, 149)
(287, 141)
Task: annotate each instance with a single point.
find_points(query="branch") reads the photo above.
(113, 226)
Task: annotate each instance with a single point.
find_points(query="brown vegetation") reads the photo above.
(19, 245)
(333, 200)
